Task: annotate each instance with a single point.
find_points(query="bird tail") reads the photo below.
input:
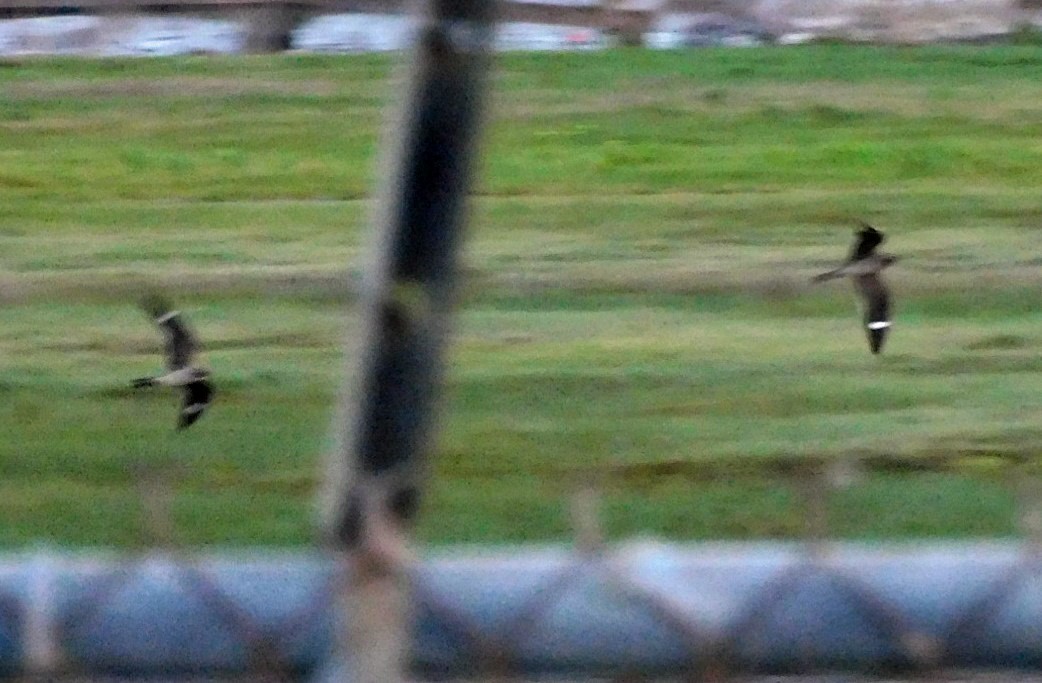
(142, 382)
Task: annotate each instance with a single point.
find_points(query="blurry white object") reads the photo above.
(48, 35)
(354, 33)
(174, 35)
(675, 29)
(528, 36)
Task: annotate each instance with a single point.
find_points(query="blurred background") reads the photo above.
(636, 349)
(150, 27)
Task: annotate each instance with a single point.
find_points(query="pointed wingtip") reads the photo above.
(876, 338)
(155, 304)
(865, 227)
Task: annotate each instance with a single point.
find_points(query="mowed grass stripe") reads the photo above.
(635, 304)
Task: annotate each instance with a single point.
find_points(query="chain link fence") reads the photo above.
(633, 611)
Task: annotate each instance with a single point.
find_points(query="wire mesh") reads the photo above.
(708, 611)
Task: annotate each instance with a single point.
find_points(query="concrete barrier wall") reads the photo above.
(738, 22)
(900, 21)
(639, 608)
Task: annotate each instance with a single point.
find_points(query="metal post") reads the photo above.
(374, 477)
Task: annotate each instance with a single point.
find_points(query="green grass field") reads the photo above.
(635, 306)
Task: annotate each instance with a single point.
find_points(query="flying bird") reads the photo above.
(181, 347)
(864, 266)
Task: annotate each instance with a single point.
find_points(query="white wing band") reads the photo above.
(166, 316)
(882, 325)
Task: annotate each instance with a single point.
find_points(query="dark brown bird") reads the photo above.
(864, 266)
(181, 347)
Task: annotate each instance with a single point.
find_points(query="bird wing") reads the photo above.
(181, 344)
(197, 398)
(877, 308)
(868, 238)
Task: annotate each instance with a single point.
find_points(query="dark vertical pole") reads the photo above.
(375, 474)
(390, 401)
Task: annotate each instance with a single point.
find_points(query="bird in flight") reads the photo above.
(181, 346)
(864, 266)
